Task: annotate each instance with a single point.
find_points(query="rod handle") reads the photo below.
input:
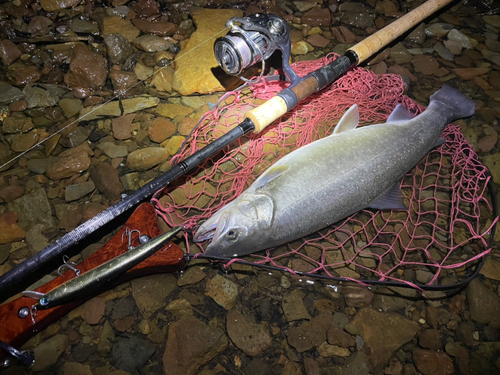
(371, 45)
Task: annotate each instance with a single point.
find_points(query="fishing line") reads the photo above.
(117, 96)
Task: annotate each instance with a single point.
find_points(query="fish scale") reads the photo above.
(332, 178)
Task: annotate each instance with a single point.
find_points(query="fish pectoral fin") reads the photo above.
(439, 142)
(400, 113)
(392, 199)
(349, 121)
(269, 175)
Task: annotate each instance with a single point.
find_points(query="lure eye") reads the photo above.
(44, 301)
(232, 235)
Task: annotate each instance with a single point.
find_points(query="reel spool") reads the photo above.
(254, 39)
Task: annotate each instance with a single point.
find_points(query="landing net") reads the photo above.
(439, 241)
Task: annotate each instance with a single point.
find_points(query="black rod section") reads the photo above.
(57, 247)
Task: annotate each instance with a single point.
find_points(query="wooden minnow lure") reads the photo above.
(96, 278)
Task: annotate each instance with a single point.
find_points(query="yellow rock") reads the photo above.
(162, 80)
(194, 62)
(115, 25)
(491, 269)
(173, 144)
(172, 110)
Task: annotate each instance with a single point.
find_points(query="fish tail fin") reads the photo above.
(459, 104)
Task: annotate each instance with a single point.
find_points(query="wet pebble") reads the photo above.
(76, 191)
(433, 363)
(223, 291)
(251, 338)
(107, 181)
(48, 352)
(151, 292)
(144, 159)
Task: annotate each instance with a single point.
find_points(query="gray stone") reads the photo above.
(130, 352)
(293, 306)
(113, 151)
(122, 308)
(75, 138)
(459, 36)
(443, 51)
(85, 27)
(33, 209)
(9, 94)
(438, 29)
(130, 181)
(48, 352)
(38, 165)
(106, 339)
(356, 364)
(493, 45)
(400, 54)
(118, 48)
(45, 95)
(36, 239)
(357, 19)
(76, 191)
(494, 57)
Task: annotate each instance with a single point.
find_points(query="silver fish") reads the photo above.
(332, 178)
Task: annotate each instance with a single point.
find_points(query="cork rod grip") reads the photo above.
(266, 113)
(381, 38)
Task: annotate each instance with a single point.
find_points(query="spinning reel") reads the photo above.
(254, 40)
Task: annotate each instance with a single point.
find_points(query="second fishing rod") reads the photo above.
(250, 40)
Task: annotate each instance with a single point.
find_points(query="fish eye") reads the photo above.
(232, 235)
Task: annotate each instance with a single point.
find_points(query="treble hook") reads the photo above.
(128, 232)
(68, 265)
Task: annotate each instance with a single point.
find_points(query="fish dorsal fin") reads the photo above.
(269, 175)
(349, 121)
(400, 113)
(392, 199)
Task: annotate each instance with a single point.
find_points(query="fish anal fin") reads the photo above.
(269, 175)
(349, 121)
(400, 113)
(392, 199)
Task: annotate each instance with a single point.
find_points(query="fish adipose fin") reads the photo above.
(460, 105)
(400, 113)
(391, 200)
(349, 121)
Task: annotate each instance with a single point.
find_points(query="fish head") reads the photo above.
(239, 228)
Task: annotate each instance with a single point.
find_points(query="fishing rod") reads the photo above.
(252, 41)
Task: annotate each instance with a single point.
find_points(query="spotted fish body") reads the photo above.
(332, 178)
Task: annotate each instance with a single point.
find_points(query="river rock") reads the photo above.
(193, 73)
(172, 110)
(75, 368)
(173, 144)
(157, 28)
(453, 46)
(106, 180)
(70, 107)
(150, 292)
(146, 158)
(87, 69)
(470, 73)
(76, 191)
(93, 310)
(293, 306)
(130, 181)
(311, 333)
(425, 64)
(48, 352)
(161, 129)
(33, 208)
(343, 34)
(9, 230)
(122, 126)
(9, 94)
(459, 36)
(52, 5)
(316, 17)
(492, 161)
(84, 27)
(45, 95)
(223, 291)
(118, 48)
(112, 150)
(75, 138)
(131, 352)
(251, 338)
(484, 304)
(116, 25)
(18, 124)
(433, 363)
(443, 52)
(191, 344)
(384, 333)
(9, 52)
(400, 55)
(152, 43)
(24, 75)
(106, 339)
(39, 25)
(36, 239)
(69, 163)
(359, 19)
(438, 29)
(9, 193)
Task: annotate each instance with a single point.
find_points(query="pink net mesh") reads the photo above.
(441, 235)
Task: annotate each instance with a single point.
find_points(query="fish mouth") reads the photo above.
(205, 233)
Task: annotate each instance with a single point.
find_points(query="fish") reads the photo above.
(332, 178)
